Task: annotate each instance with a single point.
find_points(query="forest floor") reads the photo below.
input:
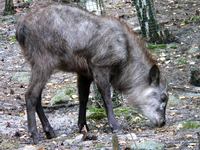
(176, 60)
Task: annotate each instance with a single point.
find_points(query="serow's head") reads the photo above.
(154, 97)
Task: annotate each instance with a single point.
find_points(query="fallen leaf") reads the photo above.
(74, 96)
(41, 148)
(84, 132)
(188, 136)
(182, 97)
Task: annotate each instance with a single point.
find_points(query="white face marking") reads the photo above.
(148, 91)
(151, 105)
(152, 101)
(162, 106)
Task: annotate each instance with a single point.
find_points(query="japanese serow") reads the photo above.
(99, 49)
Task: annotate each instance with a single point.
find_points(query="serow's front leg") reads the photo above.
(83, 91)
(101, 77)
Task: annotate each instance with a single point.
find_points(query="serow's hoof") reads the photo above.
(116, 129)
(83, 127)
(50, 134)
(35, 139)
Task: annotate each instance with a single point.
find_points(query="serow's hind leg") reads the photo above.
(45, 123)
(33, 102)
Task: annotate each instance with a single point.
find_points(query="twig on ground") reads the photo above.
(187, 89)
(59, 106)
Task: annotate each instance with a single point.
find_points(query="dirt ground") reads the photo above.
(176, 60)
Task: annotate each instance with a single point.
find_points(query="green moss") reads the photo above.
(173, 101)
(190, 124)
(1, 36)
(156, 46)
(99, 145)
(130, 114)
(193, 19)
(125, 111)
(63, 96)
(70, 91)
(27, 1)
(12, 39)
(181, 61)
(96, 113)
(21, 77)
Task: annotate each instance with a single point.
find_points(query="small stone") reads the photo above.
(194, 49)
(182, 97)
(189, 136)
(12, 91)
(60, 97)
(179, 126)
(21, 86)
(167, 62)
(41, 148)
(192, 63)
(18, 97)
(74, 96)
(30, 147)
(129, 137)
(21, 77)
(146, 145)
(17, 134)
(78, 138)
(162, 59)
(68, 142)
(8, 125)
(87, 143)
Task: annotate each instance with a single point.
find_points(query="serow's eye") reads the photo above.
(164, 98)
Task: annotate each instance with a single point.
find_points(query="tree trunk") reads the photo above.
(94, 6)
(9, 7)
(149, 27)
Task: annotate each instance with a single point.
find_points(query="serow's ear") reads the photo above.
(154, 75)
